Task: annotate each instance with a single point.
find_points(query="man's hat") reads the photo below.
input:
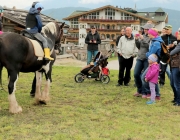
(168, 27)
(93, 26)
(148, 26)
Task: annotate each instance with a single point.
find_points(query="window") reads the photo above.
(125, 16)
(74, 23)
(110, 13)
(94, 15)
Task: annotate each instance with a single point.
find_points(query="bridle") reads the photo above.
(57, 45)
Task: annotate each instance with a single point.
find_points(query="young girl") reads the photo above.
(152, 76)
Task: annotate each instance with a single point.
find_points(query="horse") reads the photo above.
(17, 55)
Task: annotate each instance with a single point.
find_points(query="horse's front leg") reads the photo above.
(13, 105)
(45, 93)
(38, 87)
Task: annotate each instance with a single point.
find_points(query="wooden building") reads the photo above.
(14, 20)
(109, 20)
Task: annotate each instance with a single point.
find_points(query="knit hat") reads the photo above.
(153, 57)
(153, 32)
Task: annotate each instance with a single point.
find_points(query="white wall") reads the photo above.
(135, 28)
(117, 15)
(82, 33)
(160, 26)
(102, 14)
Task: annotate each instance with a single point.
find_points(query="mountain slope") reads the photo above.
(61, 13)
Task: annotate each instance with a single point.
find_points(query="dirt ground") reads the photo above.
(69, 62)
(114, 64)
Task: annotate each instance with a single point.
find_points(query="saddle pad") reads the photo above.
(38, 51)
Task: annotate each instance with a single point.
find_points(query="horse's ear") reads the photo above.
(62, 25)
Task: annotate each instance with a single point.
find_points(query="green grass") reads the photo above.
(88, 111)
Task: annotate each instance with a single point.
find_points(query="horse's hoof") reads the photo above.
(15, 110)
(42, 102)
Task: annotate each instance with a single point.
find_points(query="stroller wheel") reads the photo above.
(79, 78)
(105, 79)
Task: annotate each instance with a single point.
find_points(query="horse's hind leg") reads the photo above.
(13, 105)
(38, 87)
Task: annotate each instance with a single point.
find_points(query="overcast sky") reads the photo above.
(48, 4)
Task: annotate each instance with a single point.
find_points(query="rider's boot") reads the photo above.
(47, 54)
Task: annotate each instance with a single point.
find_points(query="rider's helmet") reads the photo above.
(37, 5)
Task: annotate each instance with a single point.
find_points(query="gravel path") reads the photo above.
(114, 65)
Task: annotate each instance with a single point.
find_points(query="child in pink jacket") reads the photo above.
(152, 76)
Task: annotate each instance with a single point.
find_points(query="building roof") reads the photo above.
(151, 15)
(159, 10)
(77, 12)
(140, 15)
(19, 16)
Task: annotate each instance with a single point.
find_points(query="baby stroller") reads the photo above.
(97, 70)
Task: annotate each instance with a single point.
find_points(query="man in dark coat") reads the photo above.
(92, 39)
(169, 40)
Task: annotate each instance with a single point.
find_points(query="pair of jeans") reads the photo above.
(164, 69)
(139, 67)
(125, 65)
(145, 85)
(90, 54)
(42, 39)
(175, 84)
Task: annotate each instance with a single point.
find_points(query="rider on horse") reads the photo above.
(34, 26)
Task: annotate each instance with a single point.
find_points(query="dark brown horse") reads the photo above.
(17, 55)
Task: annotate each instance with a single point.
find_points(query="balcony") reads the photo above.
(71, 30)
(106, 30)
(72, 38)
(107, 20)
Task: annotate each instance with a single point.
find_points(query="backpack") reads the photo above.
(165, 55)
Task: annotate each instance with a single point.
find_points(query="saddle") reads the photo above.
(37, 44)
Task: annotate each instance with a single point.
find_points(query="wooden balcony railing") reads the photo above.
(106, 30)
(106, 20)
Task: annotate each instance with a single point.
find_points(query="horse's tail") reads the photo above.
(1, 66)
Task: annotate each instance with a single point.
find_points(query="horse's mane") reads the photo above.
(50, 27)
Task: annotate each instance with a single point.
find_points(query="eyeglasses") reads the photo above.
(92, 28)
(166, 29)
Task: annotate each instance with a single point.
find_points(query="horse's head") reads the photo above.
(58, 39)
(55, 32)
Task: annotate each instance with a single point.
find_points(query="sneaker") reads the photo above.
(144, 96)
(161, 85)
(119, 85)
(150, 102)
(137, 94)
(158, 98)
(126, 84)
(148, 96)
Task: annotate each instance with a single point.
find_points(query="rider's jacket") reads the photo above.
(33, 21)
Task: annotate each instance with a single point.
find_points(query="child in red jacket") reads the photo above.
(152, 76)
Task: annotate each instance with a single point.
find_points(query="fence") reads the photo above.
(80, 52)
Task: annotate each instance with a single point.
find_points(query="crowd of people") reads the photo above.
(149, 71)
